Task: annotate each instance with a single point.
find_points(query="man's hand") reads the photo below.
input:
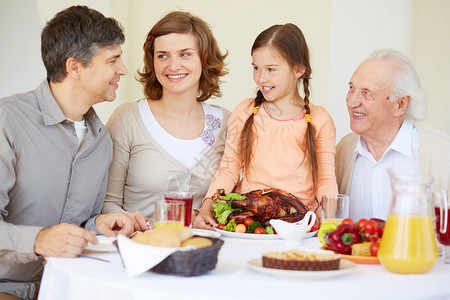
(63, 240)
(113, 224)
(140, 221)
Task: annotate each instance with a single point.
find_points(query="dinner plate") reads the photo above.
(368, 260)
(371, 260)
(345, 267)
(252, 236)
(105, 244)
(205, 233)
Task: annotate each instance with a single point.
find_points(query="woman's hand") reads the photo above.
(204, 219)
(141, 222)
(115, 223)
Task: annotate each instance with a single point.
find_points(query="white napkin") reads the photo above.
(139, 258)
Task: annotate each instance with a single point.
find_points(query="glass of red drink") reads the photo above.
(187, 198)
(443, 238)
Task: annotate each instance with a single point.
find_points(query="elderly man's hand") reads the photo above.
(63, 240)
(113, 224)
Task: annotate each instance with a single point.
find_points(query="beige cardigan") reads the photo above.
(141, 170)
(434, 148)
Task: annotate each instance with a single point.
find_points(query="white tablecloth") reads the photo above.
(83, 278)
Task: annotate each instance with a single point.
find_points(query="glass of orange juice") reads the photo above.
(408, 244)
(169, 214)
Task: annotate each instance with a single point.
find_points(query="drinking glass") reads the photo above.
(185, 197)
(335, 208)
(169, 214)
(443, 238)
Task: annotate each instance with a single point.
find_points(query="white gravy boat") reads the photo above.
(293, 233)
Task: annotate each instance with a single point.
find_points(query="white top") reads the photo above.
(81, 130)
(370, 190)
(188, 152)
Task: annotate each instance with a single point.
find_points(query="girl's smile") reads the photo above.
(273, 75)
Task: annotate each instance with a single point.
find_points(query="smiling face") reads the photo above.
(177, 63)
(273, 75)
(100, 78)
(372, 113)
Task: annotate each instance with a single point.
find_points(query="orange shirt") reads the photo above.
(279, 155)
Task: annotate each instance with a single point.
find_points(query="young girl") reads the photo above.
(171, 140)
(277, 139)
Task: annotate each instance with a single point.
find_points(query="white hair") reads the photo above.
(406, 82)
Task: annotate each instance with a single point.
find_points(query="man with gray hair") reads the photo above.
(55, 152)
(385, 102)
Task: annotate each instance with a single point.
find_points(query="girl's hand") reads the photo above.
(194, 215)
(204, 219)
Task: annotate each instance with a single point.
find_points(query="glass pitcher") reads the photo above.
(408, 244)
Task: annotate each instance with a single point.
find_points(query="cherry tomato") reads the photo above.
(361, 224)
(259, 230)
(380, 231)
(374, 248)
(348, 221)
(371, 227)
(248, 221)
(371, 237)
(240, 228)
(220, 226)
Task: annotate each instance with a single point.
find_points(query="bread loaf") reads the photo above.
(163, 236)
(197, 242)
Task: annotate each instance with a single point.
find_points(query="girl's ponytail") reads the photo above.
(310, 136)
(247, 134)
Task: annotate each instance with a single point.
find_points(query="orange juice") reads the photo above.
(408, 244)
(336, 221)
(169, 224)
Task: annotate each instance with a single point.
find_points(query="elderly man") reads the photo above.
(385, 102)
(55, 152)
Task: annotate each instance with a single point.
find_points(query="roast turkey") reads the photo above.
(265, 204)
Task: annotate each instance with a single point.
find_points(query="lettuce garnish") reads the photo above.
(233, 196)
(223, 210)
(231, 226)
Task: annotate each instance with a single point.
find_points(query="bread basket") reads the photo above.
(190, 263)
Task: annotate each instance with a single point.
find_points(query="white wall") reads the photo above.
(235, 24)
(357, 29)
(20, 52)
(340, 34)
(430, 52)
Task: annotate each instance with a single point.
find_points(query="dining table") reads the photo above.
(235, 277)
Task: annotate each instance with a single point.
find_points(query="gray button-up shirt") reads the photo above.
(45, 179)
